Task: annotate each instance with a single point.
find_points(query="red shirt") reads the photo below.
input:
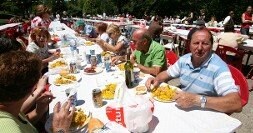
(247, 16)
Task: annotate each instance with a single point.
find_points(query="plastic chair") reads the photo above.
(241, 81)
(171, 57)
(235, 60)
(170, 45)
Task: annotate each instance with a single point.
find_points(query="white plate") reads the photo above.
(169, 101)
(58, 67)
(142, 92)
(97, 69)
(48, 124)
(52, 79)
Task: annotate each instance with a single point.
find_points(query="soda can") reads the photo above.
(93, 61)
(97, 98)
(107, 64)
(72, 67)
(99, 58)
(92, 52)
(88, 58)
(72, 94)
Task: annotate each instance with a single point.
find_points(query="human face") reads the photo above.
(249, 9)
(112, 35)
(41, 40)
(138, 42)
(232, 14)
(200, 46)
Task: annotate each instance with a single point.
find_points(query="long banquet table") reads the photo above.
(167, 117)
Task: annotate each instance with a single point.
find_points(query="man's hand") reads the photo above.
(186, 99)
(62, 116)
(152, 83)
(132, 59)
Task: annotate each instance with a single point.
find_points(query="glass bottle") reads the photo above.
(129, 79)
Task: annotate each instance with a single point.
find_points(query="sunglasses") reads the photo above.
(109, 34)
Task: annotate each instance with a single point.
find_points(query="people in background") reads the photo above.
(39, 46)
(19, 74)
(212, 22)
(230, 38)
(205, 78)
(79, 27)
(229, 20)
(155, 29)
(42, 17)
(190, 18)
(247, 21)
(119, 42)
(100, 29)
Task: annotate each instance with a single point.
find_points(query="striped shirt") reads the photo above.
(212, 78)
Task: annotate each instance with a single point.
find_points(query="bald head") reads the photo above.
(138, 34)
(141, 39)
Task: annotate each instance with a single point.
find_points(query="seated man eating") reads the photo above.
(205, 78)
(149, 55)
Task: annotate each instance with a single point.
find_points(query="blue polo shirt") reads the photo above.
(212, 78)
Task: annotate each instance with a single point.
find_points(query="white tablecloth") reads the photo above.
(167, 117)
(247, 45)
(3, 27)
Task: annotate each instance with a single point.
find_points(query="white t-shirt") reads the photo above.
(125, 44)
(104, 37)
(41, 52)
(226, 20)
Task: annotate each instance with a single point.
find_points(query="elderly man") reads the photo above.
(205, 79)
(149, 55)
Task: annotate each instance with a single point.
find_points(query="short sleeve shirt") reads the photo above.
(212, 78)
(41, 52)
(11, 124)
(154, 57)
(37, 21)
(125, 44)
(105, 37)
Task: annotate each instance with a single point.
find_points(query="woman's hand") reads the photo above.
(62, 117)
(100, 42)
(41, 85)
(43, 101)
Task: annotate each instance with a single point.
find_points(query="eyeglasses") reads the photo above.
(109, 34)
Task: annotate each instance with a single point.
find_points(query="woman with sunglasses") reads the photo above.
(119, 42)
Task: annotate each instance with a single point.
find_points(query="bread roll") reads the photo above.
(94, 124)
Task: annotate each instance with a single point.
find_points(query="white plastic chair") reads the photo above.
(170, 45)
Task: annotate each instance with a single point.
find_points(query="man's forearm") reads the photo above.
(228, 104)
(163, 76)
(150, 70)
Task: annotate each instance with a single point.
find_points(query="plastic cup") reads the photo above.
(72, 95)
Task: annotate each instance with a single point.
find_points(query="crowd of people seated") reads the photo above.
(205, 79)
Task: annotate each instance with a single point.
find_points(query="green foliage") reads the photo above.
(218, 8)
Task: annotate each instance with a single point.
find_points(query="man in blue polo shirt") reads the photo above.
(205, 79)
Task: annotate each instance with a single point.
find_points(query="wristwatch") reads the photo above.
(203, 101)
(60, 131)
